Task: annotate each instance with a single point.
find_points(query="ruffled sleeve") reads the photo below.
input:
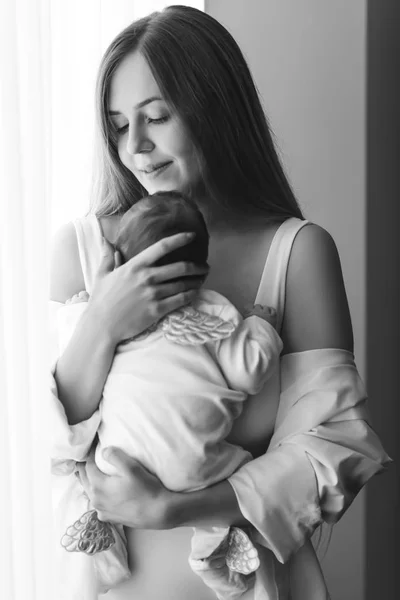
(322, 453)
(69, 443)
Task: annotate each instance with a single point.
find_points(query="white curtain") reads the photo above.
(49, 53)
(24, 224)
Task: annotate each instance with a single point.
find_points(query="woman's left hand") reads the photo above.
(133, 497)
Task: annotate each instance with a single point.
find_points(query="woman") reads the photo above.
(177, 109)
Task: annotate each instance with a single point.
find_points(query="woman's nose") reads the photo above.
(137, 140)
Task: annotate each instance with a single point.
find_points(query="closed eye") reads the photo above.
(160, 120)
(122, 129)
(149, 121)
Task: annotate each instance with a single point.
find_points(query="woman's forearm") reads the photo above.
(215, 506)
(82, 369)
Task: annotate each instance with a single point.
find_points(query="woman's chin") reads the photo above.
(169, 186)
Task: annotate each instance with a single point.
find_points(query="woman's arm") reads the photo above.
(124, 301)
(82, 369)
(215, 506)
(136, 498)
(316, 309)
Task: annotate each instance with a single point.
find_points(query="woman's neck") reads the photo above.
(227, 222)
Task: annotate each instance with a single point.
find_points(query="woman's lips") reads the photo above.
(156, 171)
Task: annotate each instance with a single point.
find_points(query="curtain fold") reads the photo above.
(24, 219)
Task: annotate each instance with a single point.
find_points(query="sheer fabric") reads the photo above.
(24, 174)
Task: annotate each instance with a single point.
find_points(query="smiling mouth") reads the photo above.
(155, 169)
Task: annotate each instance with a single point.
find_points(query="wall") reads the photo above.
(383, 268)
(309, 61)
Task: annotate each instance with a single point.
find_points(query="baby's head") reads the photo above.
(158, 216)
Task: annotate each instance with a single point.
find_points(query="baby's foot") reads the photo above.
(263, 312)
(81, 297)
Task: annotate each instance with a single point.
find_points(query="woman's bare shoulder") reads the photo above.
(66, 277)
(316, 307)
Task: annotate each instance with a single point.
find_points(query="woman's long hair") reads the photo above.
(204, 78)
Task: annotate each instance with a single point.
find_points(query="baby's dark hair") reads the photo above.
(158, 216)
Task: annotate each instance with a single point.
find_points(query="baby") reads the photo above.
(172, 394)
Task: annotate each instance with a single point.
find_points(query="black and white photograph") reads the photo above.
(199, 299)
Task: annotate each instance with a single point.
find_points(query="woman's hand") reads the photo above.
(128, 298)
(133, 497)
(136, 498)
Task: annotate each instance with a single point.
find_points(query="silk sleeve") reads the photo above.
(322, 453)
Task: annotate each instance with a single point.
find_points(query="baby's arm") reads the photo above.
(250, 355)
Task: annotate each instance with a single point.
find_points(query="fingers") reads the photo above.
(156, 251)
(267, 310)
(107, 260)
(247, 309)
(117, 259)
(178, 270)
(81, 470)
(174, 302)
(165, 290)
(118, 458)
(92, 474)
(268, 313)
(93, 480)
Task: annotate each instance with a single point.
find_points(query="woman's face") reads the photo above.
(152, 141)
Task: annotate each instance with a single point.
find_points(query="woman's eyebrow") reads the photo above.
(139, 105)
